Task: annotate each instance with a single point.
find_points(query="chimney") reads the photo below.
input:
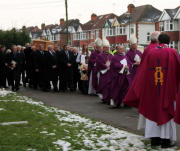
(131, 8)
(62, 21)
(93, 17)
(43, 26)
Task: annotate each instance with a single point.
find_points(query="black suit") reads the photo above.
(50, 73)
(22, 66)
(76, 72)
(66, 73)
(38, 61)
(3, 69)
(14, 75)
(27, 53)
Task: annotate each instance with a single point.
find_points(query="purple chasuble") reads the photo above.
(120, 81)
(105, 79)
(131, 55)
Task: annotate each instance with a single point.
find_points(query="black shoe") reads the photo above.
(55, 90)
(155, 141)
(17, 89)
(103, 101)
(24, 84)
(45, 90)
(64, 90)
(72, 90)
(166, 143)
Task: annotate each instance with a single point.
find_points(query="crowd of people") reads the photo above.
(147, 81)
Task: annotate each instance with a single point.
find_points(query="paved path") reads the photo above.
(90, 106)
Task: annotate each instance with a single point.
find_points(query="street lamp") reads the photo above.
(128, 15)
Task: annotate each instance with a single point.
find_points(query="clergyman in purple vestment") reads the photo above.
(92, 74)
(104, 75)
(134, 57)
(120, 75)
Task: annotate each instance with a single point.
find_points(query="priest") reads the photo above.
(92, 74)
(104, 76)
(119, 69)
(154, 43)
(134, 57)
(155, 93)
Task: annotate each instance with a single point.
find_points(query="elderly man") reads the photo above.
(154, 43)
(13, 61)
(92, 74)
(104, 76)
(119, 69)
(156, 90)
(134, 57)
(51, 69)
(22, 64)
(76, 71)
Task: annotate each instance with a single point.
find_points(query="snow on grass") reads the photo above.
(1, 109)
(91, 134)
(65, 145)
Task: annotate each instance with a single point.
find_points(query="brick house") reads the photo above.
(34, 33)
(58, 33)
(90, 31)
(137, 21)
(169, 23)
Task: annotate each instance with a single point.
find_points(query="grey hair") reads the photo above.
(154, 36)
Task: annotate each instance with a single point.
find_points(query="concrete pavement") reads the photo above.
(90, 106)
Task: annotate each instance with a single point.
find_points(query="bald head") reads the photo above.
(154, 36)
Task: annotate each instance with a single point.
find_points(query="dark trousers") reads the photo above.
(67, 84)
(3, 80)
(84, 87)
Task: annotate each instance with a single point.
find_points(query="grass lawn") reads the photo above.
(53, 129)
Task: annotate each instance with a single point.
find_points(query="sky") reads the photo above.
(16, 13)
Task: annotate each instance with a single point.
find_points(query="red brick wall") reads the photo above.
(173, 34)
(120, 39)
(156, 26)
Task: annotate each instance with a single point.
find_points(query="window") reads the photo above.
(173, 44)
(169, 24)
(121, 30)
(132, 29)
(92, 34)
(161, 26)
(148, 37)
(110, 31)
(97, 33)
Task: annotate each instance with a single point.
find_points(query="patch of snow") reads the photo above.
(65, 145)
(51, 134)
(44, 132)
(4, 92)
(1, 109)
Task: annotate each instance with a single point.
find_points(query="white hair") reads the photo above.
(154, 36)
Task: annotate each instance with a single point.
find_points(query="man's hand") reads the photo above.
(69, 65)
(137, 63)
(126, 67)
(37, 70)
(54, 67)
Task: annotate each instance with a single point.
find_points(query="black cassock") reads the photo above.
(66, 73)
(14, 74)
(50, 74)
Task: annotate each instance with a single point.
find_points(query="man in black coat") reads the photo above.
(13, 63)
(28, 60)
(3, 66)
(39, 67)
(22, 63)
(65, 59)
(51, 68)
(76, 72)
